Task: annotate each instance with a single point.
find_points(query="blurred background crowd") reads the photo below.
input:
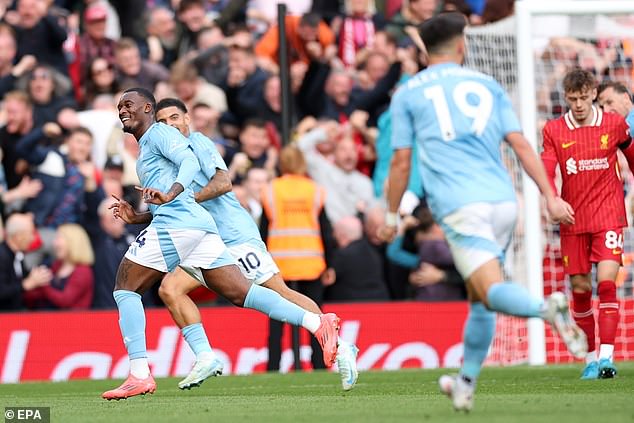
(63, 65)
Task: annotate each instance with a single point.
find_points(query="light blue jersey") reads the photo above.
(237, 226)
(165, 157)
(458, 119)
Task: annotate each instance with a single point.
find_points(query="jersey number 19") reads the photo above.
(480, 112)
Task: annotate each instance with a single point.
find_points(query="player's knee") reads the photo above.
(168, 291)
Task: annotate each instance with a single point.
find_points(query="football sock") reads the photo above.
(584, 316)
(196, 338)
(478, 334)
(139, 368)
(132, 325)
(608, 313)
(606, 351)
(591, 356)
(513, 299)
(271, 303)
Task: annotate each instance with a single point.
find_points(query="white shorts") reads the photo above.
(164, 249)
(253, 260)
(478, 233)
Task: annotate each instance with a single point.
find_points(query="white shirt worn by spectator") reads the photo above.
(344, 190)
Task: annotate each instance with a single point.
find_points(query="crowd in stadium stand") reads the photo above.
(64, 64)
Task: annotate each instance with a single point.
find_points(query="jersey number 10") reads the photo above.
(480, 112)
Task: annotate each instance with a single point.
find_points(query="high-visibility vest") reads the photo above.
(292, 204)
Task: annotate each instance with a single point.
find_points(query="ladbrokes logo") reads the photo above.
(573, 167)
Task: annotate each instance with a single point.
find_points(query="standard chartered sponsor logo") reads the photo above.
(573, 167)
(594, 164)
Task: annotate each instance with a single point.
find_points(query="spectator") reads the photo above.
(205, 120)
(294, 228)
(63, 200)
(193, 18)
(161, 43)
(33, 24)
(245, 83)
(99, 80)
(331, 93)
(132, 71)
(94, 43)
(412, 13)
(254, 184)
(212, 61)
(356, 269)
(110, 240)
(307, 36)
(20, 233)
(19, 113)
(348, 189)
(49, 92)
(10, 73)
(255, 151)
(358, 28)
(436, 278)
(191, 89)
(71, 287)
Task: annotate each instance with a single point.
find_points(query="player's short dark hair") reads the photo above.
(171, 102)
(436, 31)
(618, 87)
(578, 80)
(310, 19)
(145, 93)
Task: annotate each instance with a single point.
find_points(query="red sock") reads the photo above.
(608, 312)
(584, 316)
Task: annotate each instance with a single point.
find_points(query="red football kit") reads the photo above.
(591, 184)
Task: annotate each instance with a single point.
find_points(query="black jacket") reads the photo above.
(10, 283)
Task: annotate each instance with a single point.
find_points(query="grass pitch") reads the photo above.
(505, 395)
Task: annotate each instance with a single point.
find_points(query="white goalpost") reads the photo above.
(507, 50)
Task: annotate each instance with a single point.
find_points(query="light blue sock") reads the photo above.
(196, 338)
(270, 302)
(478, 334)
(131, 322)
(513, 299)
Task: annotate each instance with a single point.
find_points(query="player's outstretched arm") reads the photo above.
(218, 185)
(559, 210)
(397, 184)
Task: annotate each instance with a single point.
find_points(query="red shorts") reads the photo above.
(579, 251)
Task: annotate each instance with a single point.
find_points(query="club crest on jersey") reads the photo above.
(604, 141)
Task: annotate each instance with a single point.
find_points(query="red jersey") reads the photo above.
(591, 181)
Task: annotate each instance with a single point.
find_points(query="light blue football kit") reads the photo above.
(181, 232)
(238, 230)
(458, 119)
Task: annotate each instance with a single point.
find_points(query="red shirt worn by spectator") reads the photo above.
(71, 293)
(591, 180)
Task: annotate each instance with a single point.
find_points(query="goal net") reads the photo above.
(551, 41)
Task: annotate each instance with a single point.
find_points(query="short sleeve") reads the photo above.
(508, 119)
(402, 121)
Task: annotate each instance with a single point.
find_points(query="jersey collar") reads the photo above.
(597, 118)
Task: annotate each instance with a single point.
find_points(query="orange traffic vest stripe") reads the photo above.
(292, 205)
